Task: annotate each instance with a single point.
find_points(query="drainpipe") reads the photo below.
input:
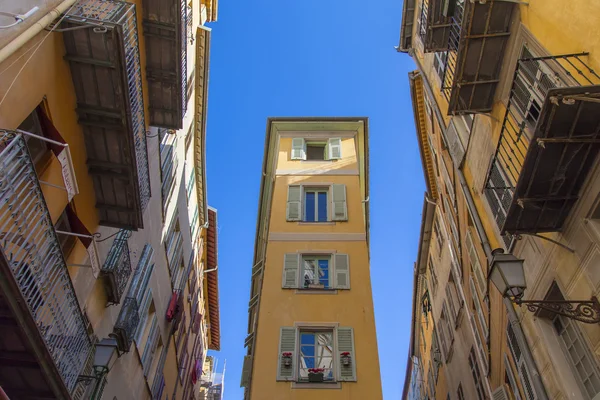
(34, 29)
(512, 315)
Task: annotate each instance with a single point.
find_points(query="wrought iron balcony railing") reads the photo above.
(101, 42)
(117, 268)
(547, 144)
(477, 39)
(126, 325)
(32, 249)
(165, 30)
(435, 22)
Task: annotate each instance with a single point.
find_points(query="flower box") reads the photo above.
(315, 377)
(316, 286)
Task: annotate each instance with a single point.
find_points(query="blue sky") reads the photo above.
(313, 58)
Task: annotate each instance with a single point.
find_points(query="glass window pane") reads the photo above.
(310, 271)
(322, 206)
(324, 272)
(309, 201)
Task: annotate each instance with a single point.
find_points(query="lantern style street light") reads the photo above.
(105, 357)
(508, 275)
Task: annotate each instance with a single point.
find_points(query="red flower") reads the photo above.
(345, 354)
(286, 354)
(316, 370)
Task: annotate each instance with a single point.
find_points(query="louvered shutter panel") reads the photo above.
(526, 381)
(345, 342)
(500, 394)
(291, 263)
(246, 371)
(152, 337)
(443, 342)
(298, 149)
(287, 344)
(340, 209)
(144, 313)
(342, 271)
(453, 313)
(335, 148)
(294, 203)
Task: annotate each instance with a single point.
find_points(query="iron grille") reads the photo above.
(126, 325)
(533, 78)
(121, 16)
(183, 26)
(28, 240)
(423, 23)
(452, 53)
(117, 267)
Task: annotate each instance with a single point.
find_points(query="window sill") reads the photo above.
(316, 291)
(315, 161)
(316, 223)
(323, 385)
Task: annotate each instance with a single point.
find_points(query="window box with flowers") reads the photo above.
(287, 359)
(345, 358)
(315, 375)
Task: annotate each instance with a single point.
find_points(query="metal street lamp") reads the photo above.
(508, 275)
(105, 357)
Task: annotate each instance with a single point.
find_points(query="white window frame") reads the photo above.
(476, 375)
(315, 331)
(476, 268)
(316, 257)
(316, 190)
(440, 58)
(511, 378)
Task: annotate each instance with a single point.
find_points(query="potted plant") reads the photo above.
(345, 358)
(315, 374)
(287, 359)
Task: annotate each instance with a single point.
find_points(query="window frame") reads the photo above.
(67, 242)
(317, 258)
(316, 144)
(316, 330)
(316, 190)
(476, 375)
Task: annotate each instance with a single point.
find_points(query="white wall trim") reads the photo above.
(327, 325)
(317, 134)
(316, 237)
(317, 171)
(316, 291)
(324, 385)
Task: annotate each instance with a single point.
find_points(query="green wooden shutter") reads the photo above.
(246, 371)
(341, 270)
(291, 263)
(298, 149)
(334, 147)
(340, 210)
(294, 203)
(287, 344)
(345, 343)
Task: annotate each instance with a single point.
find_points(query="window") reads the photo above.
(168, 163)
(446, 331)
(320, 271)
(581, 358)
(315, 272)
(477, 306)
(316, 351)
(434, 279)
(439, 63)
(476, 269)
(67, 242)
(431, 381)
(151, 346)
(37, 147)
(174, 245)
(315, 205)
(499, 193)
(438, 234)
(509, 379)
(330, 149)
(476, 375)
(449, 184)
(188, 138)
(319, 203)
(315, 151)
(455, 303)
(329, 349)
(191, 184)
(459, 392)
(194, 225)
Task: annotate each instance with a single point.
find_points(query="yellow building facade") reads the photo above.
(311, 327)
(507, 95)
(108, 257)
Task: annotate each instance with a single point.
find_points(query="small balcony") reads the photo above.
(126, 325)
(435, 22)
(117, 268)
(101, 42)
(475, 53)
(165, 32)
(548, 143)
(44, 343)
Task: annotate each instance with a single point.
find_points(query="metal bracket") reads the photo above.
(97, 28)
(586, 311)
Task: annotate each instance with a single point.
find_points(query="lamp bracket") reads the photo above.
(587, 311)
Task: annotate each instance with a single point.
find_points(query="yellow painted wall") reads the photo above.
(285, 307)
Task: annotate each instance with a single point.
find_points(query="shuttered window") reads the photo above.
(438, 234)
(524, 374)
(476, 269)
(450, 216)
(479, 342)
(431, 381)
(510, 377)
(477, 380)
(150, 347)
(432, 273)
(500, 394)
(448, 183)
(306, 271)
(298, 149)
(317, 204)
(477, 307)
(334, 146)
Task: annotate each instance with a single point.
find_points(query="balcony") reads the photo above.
(548, 143)
(475, 53)
(101, 42)
(117, 268)
(44, 344)
(126, 325)
(165, 31)
(434, 24)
